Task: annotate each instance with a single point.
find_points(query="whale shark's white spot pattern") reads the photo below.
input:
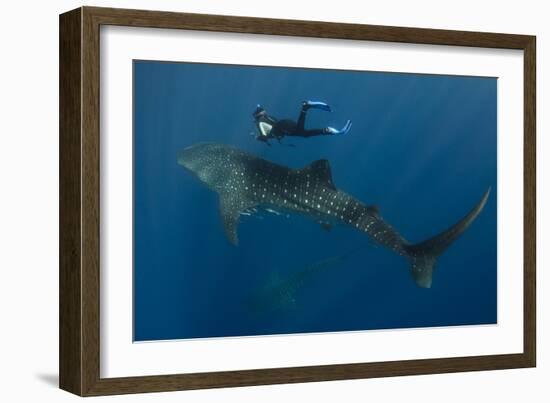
(219, 166)
(245, 181)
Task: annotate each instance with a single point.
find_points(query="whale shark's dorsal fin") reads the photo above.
(231, 206)
(320, 171)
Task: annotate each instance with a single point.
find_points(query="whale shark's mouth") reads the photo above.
(189, 154)
(182, 157)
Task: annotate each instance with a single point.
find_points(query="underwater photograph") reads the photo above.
(278, 200)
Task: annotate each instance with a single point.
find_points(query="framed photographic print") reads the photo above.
(249, 201)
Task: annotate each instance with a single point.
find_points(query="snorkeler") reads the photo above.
(271, 128)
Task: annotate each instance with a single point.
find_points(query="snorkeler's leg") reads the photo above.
(311, 133)
(306, 105)
(301, 120)
(327, 131)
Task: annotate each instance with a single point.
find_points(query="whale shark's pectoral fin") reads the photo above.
(320, 171)
(231, 207)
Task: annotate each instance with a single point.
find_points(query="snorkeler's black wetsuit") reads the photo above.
(288, 127)
(269, 127)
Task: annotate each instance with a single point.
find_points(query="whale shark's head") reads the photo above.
(196, 157)
(207, 161)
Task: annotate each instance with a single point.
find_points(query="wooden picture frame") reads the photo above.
(80, 187)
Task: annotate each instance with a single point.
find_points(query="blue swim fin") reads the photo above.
(343, 130)
(317, 105)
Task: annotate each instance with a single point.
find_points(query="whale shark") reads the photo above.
(279, 293)
(244, 182)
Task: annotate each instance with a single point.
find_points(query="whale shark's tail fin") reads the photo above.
(423, 255)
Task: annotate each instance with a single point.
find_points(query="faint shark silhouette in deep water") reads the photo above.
(280, 293)
(244, 181)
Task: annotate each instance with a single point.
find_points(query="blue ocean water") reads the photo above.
(423, 148)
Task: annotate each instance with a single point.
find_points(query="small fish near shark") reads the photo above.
(244, 181)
